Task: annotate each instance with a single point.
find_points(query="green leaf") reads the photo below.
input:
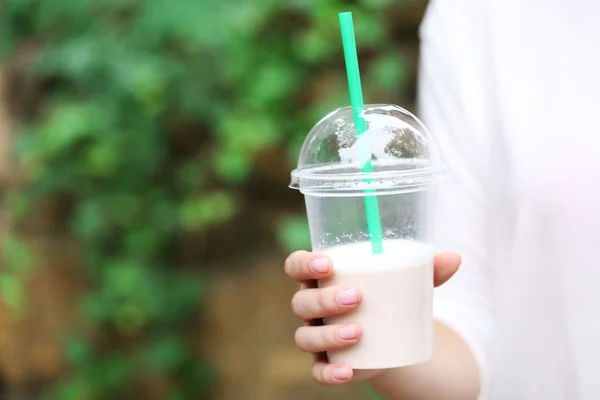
(306, 5)
(191, 176)
(202, 374)
(17, 255)
(65, 126)
(130, 318)
(19, 204)
(369, 30)
(177, 394)
(165, 354)
(78, 351)
(311, 47)
(12, 292)
(200, 212)
(248, 132)
(144, 243)
(389, 71)
(78, 57)
(293, 233)
(272, 82)
(378, 4)
(101, 159)
(232, 167)
(113, 372)
(89, 220)
(97, 307)
(246, 18)
(70, 15)
(76, 388)
(145, 79)
(182, 294)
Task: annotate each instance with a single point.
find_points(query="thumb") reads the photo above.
(445, 265)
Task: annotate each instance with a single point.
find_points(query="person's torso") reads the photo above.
(548, 286)
(545, 106)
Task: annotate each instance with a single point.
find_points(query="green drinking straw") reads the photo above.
(360, 125)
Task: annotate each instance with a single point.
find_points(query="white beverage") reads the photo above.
(397, 301)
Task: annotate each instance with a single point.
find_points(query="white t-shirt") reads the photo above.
(511, 89)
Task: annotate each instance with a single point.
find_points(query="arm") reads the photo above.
(452, 374)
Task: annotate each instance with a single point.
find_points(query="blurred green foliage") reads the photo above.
(151, 114)
(294, 234)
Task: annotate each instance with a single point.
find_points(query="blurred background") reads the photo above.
(145, 152)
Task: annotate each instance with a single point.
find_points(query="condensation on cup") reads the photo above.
(397, 284)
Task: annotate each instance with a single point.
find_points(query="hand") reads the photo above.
(312, 304)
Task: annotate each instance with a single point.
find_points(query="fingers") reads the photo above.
(331, 374)
(445, 265)
(315, 339)
(312, 304)
(318, 303)
(303, 266)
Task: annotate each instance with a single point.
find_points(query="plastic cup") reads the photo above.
(397, 285)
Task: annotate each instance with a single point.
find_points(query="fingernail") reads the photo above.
(342, 374)
(320, 265)
(347, 332)
(347, 297)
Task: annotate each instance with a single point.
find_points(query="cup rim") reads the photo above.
(315, 181)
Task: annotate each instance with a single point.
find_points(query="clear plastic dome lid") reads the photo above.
(402, 154)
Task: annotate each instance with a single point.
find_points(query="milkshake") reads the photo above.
(369, 191)
(396, 312)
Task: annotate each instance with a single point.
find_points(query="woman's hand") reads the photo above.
(312, 304)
